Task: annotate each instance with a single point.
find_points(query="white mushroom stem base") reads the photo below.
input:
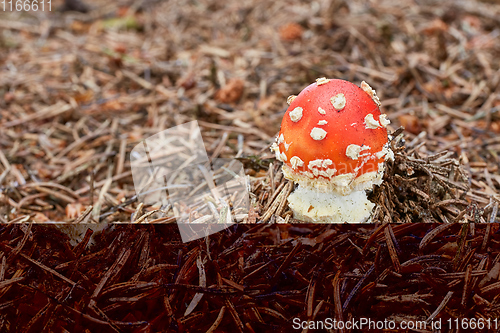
(310, 205)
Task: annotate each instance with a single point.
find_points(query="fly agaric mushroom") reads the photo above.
(333, 143)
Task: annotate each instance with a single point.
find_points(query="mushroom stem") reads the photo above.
(310, 205)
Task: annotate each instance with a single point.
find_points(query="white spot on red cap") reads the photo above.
(322, 80)
(276, 150)
(367, 89)
(338, 101)
(316, 167)
(320, 110)
(295, 161)
(318, 133)
(384, 121)
(353, 151)
(319, 163)
(370, 122)
(322, 122)
(290, 99)
(387, 152)
(296, 114)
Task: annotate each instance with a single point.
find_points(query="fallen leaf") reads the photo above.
(435, 27)
(40, 218)
(411, 123)
(231, 92)
(73, 210)
(291, 31)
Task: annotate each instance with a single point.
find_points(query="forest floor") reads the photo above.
(80, 90)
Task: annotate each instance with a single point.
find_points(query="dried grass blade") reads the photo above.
(431, 235)
(114, 269)
(235, 316)
(50, 111)
(21, 244)
(336, 298)
(203, 283)
(288, 259)
(354, 291)
(392, 249)
(311, 292)
(467, 285)
(55, 194)
(6, 283)
(218, 320)
(48, 269)
(441, 306)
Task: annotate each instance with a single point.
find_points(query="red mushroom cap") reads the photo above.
(333, 137)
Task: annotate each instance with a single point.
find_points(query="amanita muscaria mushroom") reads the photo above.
(333, 143)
